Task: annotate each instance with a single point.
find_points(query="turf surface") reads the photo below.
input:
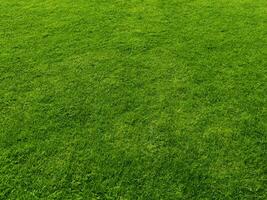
(137, 99)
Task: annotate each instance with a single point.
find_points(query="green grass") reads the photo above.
(136, 99)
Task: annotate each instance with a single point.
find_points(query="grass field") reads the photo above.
(136, 99)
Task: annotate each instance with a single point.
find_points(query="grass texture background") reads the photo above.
(137, 99)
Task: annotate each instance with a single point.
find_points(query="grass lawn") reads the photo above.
(133, 99)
